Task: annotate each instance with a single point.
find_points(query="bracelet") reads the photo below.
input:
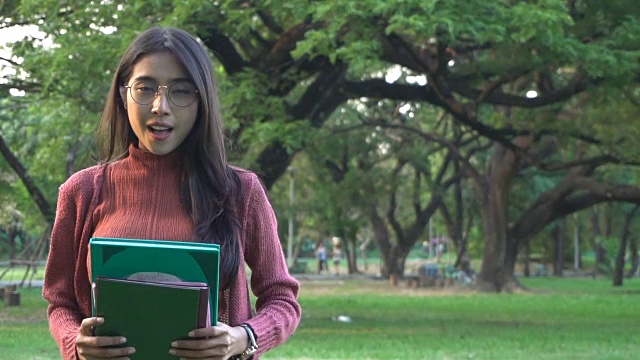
(253, 345)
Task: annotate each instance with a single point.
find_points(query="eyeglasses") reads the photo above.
(181, 93)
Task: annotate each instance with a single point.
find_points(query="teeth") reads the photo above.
(159, 128)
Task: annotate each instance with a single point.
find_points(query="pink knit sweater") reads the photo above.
(137, 197)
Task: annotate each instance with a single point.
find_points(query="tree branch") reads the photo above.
(577, 84)
(223, 48)
(27, 181)
(9, 61)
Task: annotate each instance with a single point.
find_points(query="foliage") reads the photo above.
(424, 57)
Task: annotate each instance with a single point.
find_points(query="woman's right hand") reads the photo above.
(91, 347)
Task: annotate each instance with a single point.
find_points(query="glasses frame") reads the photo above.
(166, 89)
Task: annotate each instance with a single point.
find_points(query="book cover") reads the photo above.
(149, 314)
(158, 260)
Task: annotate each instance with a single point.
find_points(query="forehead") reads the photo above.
(162, 67)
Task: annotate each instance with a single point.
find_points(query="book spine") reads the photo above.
(203, 309)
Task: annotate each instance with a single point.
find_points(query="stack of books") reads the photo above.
(153, 292)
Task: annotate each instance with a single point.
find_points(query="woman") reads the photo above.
(164, 175)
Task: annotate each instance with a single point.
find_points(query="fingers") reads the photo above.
(216, 342)
(89, 346)
(210, 353)
(199, 349)
(213, 331)
(86, 327)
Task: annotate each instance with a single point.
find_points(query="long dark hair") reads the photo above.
(210, 187)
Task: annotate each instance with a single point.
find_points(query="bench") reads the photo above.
(299, 267)
(413, 281)
(540, 270)
(10, 295)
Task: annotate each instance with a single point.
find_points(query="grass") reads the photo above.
(17, 273)
(544, 324)
(24, 332)
(558, 319)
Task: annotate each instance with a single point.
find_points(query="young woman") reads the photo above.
(164, 175)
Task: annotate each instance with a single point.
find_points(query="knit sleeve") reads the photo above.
(64, 311)
(277, 309)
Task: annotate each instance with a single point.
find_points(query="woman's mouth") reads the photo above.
(159, 132)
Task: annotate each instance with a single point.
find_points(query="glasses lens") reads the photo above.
(143, 92)
(182, 93)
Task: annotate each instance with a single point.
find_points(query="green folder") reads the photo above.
(150, 315)
(139, 259)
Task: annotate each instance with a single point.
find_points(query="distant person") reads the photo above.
(321, 255)
(466, 275)
(425, 247)
(337, 256)
(164, 175)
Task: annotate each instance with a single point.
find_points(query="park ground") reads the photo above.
(360, 317)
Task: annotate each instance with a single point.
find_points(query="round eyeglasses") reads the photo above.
(181, 93)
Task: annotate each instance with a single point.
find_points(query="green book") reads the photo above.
(150, 315)
(160, 261)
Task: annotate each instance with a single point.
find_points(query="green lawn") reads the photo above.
(558, 319)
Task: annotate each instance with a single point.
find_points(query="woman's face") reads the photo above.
(162, 122)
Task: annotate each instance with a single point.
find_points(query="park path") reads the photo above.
(300, 277)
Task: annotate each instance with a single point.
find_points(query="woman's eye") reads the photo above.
(145, 89)
(182, 90)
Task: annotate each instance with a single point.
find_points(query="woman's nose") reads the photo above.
(161, 104)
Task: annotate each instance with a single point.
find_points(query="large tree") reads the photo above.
(295, 63)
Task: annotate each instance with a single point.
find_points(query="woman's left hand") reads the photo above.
(217, 342)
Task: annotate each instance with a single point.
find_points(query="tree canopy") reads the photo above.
(524, 109)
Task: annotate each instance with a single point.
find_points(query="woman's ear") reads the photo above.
(123, 96)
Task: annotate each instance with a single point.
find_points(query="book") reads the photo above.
(158, 261)
(150, 314)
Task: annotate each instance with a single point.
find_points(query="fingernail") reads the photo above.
(174, 344)
(192, 334)
(100, 320)
(172, 351)
(131, 350)
(122, 340)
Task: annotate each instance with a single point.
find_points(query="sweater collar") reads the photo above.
(144, 157)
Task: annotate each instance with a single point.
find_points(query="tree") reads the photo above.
(297, 64)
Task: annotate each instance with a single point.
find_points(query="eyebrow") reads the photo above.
(149, 78)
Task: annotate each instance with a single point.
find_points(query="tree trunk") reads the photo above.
(381, 238)
(454, 224)
(635, 258)
(38, 197)
(492, 272)
(500, 250)
(601, 256)
(350, 255)
(392, 256)
(618, 271)
(559, 238)
(394, 262)
(527, 259)
(577, 260)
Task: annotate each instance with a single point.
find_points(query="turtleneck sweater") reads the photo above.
(138, 198)
(141, 199)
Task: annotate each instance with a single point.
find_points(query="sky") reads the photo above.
(7, 36)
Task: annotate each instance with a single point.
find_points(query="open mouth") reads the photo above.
(160, 132)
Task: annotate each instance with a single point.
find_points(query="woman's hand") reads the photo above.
(91, 347)
(217, 342)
